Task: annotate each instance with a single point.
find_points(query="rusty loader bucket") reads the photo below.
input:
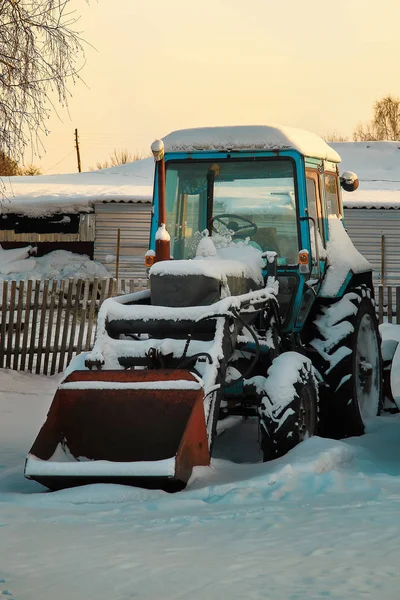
(143, 427)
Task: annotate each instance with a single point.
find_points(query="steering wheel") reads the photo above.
(230, 222)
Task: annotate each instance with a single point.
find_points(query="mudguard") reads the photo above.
(395, 376)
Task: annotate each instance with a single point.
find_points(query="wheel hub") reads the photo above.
(367, 367)
(305, 421)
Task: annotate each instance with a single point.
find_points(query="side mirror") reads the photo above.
(349, 181)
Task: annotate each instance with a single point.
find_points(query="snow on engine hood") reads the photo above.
(238, 260)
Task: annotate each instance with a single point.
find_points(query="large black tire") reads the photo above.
(289, 410)
(349, 359)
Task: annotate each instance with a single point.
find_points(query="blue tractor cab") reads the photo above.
(276, 188)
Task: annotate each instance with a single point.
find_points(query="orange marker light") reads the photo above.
(303, 257)
(303, 262)
(149, 260)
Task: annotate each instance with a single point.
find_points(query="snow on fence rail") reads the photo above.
(43, 324)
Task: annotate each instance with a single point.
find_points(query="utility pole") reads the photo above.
(78, 154)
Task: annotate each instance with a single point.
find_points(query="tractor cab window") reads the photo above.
(332, 194)
(314, 202)
(237, 199)
(186, 195)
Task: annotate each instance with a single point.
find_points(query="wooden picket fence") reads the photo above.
(43, 324)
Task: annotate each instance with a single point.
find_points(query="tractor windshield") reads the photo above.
(252, 198)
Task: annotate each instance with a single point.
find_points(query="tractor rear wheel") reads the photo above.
(289, 409)
(349, 359)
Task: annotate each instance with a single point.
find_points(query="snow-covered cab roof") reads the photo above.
(249, 137)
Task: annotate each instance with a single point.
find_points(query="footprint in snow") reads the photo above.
(4, 592)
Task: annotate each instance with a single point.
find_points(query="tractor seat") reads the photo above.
(266, 238)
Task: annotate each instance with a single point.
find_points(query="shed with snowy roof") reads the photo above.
(82, 212)
(372, 212)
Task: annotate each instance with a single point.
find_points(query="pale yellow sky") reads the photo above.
(163, 65)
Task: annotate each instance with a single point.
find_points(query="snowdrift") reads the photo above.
(20, 263)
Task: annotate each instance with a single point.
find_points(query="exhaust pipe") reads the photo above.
(163, 251)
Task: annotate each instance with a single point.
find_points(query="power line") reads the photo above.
(62, 160)
(113, 133)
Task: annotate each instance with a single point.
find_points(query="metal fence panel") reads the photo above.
(375, 233)
(133, 220)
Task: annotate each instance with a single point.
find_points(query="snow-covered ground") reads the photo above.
(321, 522)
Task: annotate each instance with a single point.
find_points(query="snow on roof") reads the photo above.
(250, 137)
(376, 199)
(374, 162)
(377, 165)
(77, 192)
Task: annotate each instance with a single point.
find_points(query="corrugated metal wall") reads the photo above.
(366, 228)
(133, 219)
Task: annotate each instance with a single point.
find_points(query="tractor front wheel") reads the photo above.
(289, 409)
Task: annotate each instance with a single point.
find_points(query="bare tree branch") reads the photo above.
(334, 136)
(384, 126)
(39, 53)
(118, 157)
(387, 118)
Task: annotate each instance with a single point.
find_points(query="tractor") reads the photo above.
(259, 306)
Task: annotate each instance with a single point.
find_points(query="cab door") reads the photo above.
(316, 214)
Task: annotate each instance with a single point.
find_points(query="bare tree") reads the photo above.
(39, 50)
(385, 124)
(335, 137)
(118, 157)
(30, 170)
(364, 132)
(387, 118)
(8, 166)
